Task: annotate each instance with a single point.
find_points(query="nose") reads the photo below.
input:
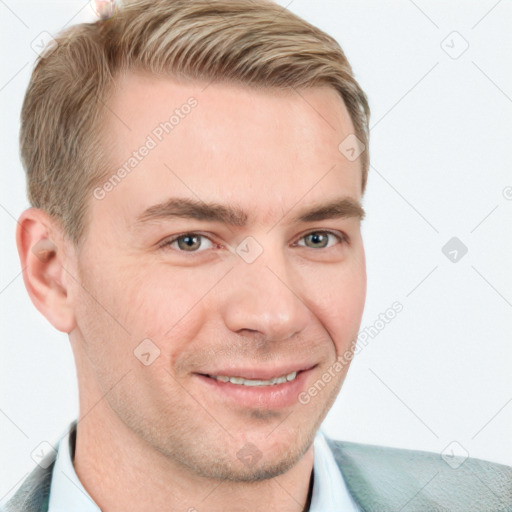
(264, 298)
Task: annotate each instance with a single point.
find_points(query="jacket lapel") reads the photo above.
(379, 482)
(34, 493)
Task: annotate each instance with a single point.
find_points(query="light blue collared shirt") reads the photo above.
(330, 492)
(66, 491)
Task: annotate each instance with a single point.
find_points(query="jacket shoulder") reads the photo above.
(389, 479)
(34, 493)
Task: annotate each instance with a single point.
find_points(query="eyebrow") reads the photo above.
(344, 207)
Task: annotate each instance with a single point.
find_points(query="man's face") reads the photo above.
(216, 303)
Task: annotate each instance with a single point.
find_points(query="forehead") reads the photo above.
(256, 148)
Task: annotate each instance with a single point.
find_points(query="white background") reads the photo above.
(441, 164)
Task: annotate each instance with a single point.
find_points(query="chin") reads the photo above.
(257, 469)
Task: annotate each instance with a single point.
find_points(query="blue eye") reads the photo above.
(189, 242)
(320, 239)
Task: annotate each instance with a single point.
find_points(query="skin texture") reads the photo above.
(155, 437)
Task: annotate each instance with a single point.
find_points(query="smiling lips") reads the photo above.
(267, 388)
(256, 382)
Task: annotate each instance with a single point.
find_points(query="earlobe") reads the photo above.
(41, 251)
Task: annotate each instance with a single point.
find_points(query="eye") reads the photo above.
(188, 242)
(320, 239)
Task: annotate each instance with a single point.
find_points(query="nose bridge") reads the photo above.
(263, 296)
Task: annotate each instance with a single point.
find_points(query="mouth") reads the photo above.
(241, 381)
(249, 388)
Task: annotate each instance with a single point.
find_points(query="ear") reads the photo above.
(42, 251)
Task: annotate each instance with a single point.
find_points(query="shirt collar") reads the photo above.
(329, 489)
(67, 492)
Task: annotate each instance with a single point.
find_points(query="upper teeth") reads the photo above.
(250, 382)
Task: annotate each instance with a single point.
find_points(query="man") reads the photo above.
(196, 170)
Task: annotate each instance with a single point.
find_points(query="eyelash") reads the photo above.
(342, 239)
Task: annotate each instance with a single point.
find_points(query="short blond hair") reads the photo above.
(252, 42)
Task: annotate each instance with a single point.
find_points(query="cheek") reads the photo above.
(137, 296)
(163, 303)
(339, 297)
(162, 298)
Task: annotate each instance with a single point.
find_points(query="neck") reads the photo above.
(122, 472)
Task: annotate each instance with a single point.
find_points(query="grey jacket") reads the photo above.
(380, 479)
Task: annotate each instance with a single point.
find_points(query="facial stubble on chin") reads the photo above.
(304, 442)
